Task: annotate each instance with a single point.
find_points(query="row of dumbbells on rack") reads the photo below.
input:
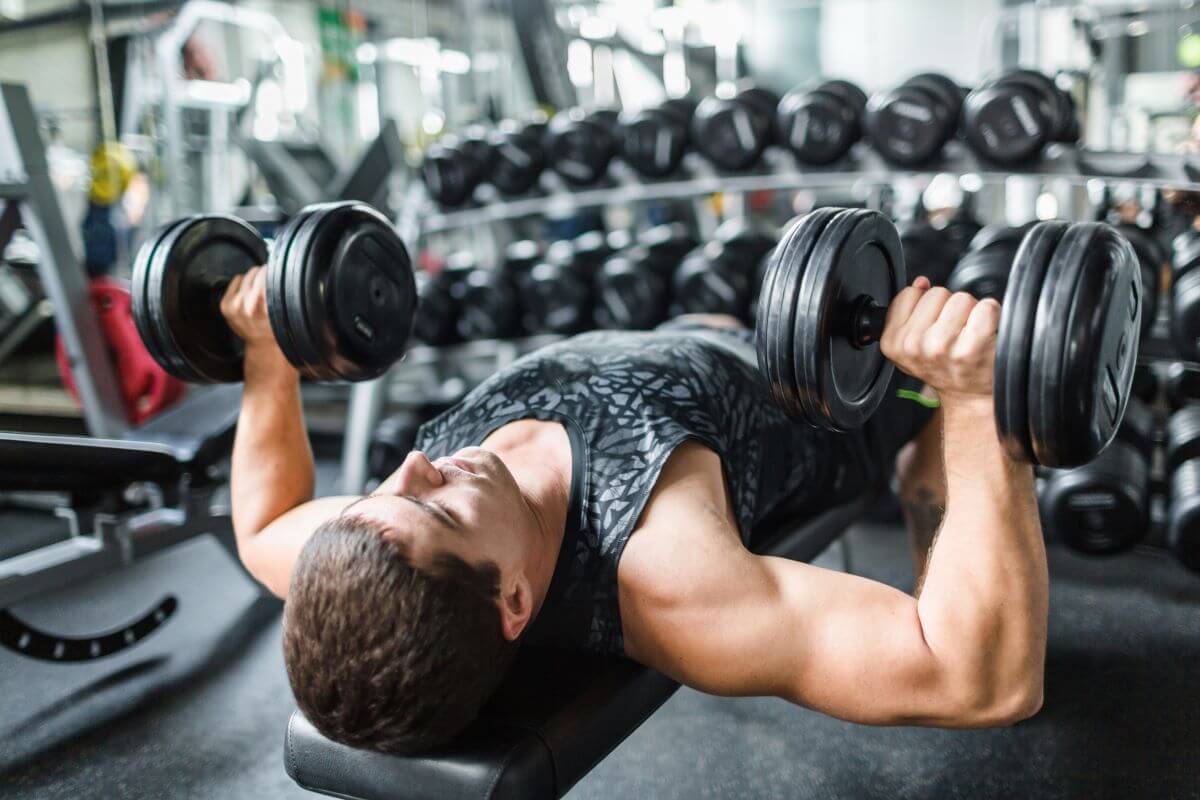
(596, 280)
(617, 281)
(1005, 121)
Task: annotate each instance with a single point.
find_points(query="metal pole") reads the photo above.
(22, 154)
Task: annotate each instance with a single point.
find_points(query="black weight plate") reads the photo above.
(307, 259)
(1185, 314)
(1004, 124)
(298, 284)
(139, 282)
(1051, 333)
(277, 310)
(653, 141)
(818, 127)
(359, 296)
(903, 125)
(949, 95)
(1082, 382)
(983, 275)
(159, 263)
(1151, 256)
(996, 235)
(777, 308)
(850, 92)
(1185, 251)
(1098, 363)
(517, 159)
(1055, 104)
(730, 132)
(858, 254)
(1015, 338)
(190, 269)
(282, 315)
(370, 295)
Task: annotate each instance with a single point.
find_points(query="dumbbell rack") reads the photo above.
(780, 172)
(420, 217)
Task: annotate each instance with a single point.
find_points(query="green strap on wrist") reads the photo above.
(918, 398)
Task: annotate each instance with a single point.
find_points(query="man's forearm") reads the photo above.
(983, 605)
(921, 485)
(272, 460)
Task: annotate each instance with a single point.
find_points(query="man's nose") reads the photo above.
(416, 473)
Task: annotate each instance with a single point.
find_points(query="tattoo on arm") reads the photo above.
(924, 517)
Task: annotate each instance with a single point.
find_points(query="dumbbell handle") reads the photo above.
(866, 321)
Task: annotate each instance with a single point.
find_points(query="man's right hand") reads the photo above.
(244, 306)
(947, 340)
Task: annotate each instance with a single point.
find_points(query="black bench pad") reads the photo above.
(553, 719)
(182, 440)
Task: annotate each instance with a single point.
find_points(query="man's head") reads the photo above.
(403, 612)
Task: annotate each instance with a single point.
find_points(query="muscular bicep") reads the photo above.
(841, 644)
(270, 554)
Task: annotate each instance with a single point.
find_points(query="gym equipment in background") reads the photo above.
(1009, 119)
(819, 124)
(733, 132)
(653, 141)
(909, 125)
(1103, 507)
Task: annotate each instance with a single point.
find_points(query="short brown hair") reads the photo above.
(385, 655)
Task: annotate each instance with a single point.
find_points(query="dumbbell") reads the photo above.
(1185, 294)
(1182, 384)
(454, 165)
(557, 297)
(668, 243)
(714, 278)
(580, 144)
(1182, 452)
(435, 320)
(819, 124)
(909, 125)
(1062, 379)
(1009, 119)
(341, 296)
(983, 270)
(653, 141)
(516, 157)
(1151, 256)
(633, 285)
(961, 229)
(747, 243)
(1103, 507)
(485, 299)
(733, 132)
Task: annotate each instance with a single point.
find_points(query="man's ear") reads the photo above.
(516, 608)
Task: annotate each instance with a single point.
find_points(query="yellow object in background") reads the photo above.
(112, 169)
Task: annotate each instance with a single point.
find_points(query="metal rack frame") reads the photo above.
(28, 197)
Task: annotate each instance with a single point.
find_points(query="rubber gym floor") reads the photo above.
(1121, 719)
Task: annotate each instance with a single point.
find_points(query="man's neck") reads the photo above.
(538, 454)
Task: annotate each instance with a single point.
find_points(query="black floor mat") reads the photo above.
(1121, 719)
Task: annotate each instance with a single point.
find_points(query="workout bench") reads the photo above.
(556, 716)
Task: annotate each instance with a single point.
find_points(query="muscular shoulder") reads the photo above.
(686, 523)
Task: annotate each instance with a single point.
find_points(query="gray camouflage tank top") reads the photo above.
(627, 400)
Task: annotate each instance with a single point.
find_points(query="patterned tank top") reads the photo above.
(627, 400)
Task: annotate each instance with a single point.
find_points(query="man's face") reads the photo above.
(467, 504)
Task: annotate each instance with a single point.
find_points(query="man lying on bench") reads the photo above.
(597, 494)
